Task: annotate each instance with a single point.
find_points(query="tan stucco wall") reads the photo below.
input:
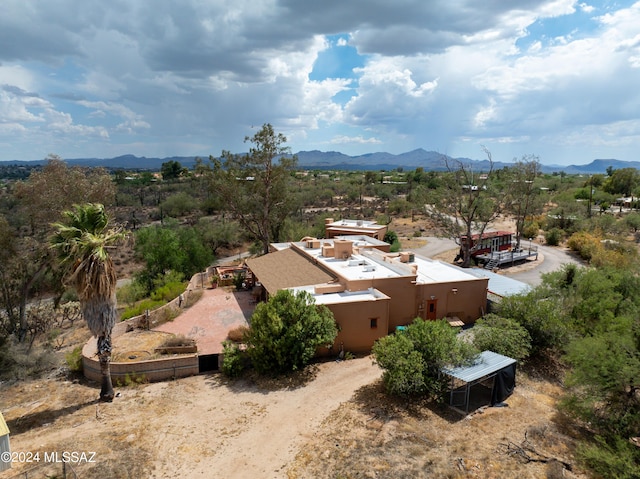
(149, 371)
(409, 300)
(354, 323)
(465, 299)
(402, 293)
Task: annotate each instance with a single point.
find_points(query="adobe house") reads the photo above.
(371, 292)
(354, 227)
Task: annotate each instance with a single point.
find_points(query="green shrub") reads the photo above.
(585, 244)
(233, 362)
(286, 331)
(168, 291)
(140, 308)
(530, 229)
(390, 237)
(620, 460)
(413, 359)
(238, 281)
(553, 236)
(542, 319)
(503, 336)
(130, 293)
(74, 359)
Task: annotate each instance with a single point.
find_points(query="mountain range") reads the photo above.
(333, 160)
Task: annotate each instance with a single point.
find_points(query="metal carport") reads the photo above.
(488, 365)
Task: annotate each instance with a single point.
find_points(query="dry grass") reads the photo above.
(237, 335)
(138, 345)
(177, 341)
(374, 436)
(172, 429)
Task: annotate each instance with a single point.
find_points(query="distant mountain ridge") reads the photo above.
(334, 160)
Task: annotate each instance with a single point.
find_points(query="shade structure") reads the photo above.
(487, 366)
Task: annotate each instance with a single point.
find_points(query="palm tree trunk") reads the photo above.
(104, 355)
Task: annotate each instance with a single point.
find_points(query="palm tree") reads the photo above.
(81, 242)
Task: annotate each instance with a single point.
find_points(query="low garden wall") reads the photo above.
(154, 369)
(148, 371)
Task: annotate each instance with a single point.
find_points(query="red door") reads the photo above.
(431, 308)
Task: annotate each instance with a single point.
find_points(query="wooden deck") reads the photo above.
(502, 258)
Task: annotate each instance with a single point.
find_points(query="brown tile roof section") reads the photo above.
(286, 269)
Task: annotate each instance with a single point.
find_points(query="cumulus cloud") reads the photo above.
(197, 76)
(341, 140)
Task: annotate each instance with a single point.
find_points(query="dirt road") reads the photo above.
(251, 432)
(198, 427)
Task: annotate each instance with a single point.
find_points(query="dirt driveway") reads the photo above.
(197, 427)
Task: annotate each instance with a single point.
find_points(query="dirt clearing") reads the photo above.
(195, 427)
(332, 421)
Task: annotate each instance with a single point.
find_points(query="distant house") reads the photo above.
(4, 444)
(354, 227)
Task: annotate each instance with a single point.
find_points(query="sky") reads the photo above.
(557, 79)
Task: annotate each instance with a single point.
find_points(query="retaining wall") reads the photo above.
(154, 369)
(151, 370)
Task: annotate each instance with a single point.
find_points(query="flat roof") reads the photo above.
(435, 271)
(499, 284)
(362, 240)
(487, 363)
(370, 294)
(369, 264)
(356, 223)
(357, 267)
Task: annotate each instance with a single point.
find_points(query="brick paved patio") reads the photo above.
(209, 320)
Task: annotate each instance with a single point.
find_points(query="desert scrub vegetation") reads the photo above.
(234, 361)
(74, 359)
(177, 340)
(238, 335)
(131, 379)
(501, 335)
(20, 361)
(167, 288)
(412, 359)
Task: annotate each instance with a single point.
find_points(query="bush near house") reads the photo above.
(286, 331)
(412, 359)
(503, 336)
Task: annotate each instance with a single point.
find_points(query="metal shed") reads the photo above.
(488, 366)
(4, 444)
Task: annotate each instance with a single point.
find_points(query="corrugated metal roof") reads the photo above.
(499, 284)
(487, 363)
(4, 429)
(286, 269)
